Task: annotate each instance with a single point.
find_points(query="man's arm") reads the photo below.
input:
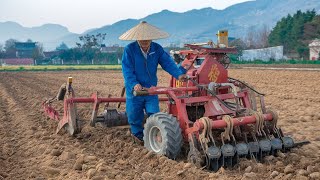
(168, 64)
(128, 69)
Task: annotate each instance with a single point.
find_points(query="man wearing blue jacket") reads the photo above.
(139, 67)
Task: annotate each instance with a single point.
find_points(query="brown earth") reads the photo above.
(30, 149)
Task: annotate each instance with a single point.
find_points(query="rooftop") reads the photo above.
(315, 42)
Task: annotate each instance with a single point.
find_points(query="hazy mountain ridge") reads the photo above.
(190, 26)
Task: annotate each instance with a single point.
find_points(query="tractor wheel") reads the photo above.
(162, 134)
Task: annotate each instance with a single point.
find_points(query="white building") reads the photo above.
(314, 47)
(265, 54)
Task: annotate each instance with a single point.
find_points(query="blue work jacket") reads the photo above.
(137, 69)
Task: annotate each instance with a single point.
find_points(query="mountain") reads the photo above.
(203, 24)
(46, 34)
(197, 25)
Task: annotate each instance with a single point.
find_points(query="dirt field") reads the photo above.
(30, 149)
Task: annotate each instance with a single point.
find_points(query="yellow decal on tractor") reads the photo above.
(214, 73)
(179, 83)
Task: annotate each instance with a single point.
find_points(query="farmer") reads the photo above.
(139, 67)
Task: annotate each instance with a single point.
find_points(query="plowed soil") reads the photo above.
(30, 149)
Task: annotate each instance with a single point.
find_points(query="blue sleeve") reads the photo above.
(168, 64)
(128, 69)
(182, 69)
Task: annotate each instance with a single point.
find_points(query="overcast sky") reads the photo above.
(81, 15)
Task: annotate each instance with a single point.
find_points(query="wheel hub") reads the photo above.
(155, 139)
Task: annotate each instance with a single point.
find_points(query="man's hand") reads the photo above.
(183, 77)
(137, 87)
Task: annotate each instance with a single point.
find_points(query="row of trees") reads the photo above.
(88, 50)
(89, 56)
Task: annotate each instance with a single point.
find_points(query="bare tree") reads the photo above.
(257, 38)
(91, 41)
(10, 48)
(239, 44)
(263, 34)
(1, 51)
(38, 52)
(250, 38)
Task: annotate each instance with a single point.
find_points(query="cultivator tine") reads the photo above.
(213, 153)
(288, 143)
(194, 155)
(122, 94)
(276, 143)
(228, 151)
(265, 144)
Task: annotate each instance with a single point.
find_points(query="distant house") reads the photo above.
(265, 54)
(17, 61)
(51, 54)
(25, 49)
(109, 49)
(314, 47)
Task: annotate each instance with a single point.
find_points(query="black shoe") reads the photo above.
(137, 140)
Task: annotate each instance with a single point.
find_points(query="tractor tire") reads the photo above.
(162, 135)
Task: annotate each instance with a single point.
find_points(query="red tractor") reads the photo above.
(219, 119)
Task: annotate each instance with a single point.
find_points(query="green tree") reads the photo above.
(71, 55)
(291, 32)
(61, 47)
(90, 46)
(312, 29)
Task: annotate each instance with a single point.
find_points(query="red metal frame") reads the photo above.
(71, 100)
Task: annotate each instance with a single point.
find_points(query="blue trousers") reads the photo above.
(135, 107)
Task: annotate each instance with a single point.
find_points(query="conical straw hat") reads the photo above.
(144, 31)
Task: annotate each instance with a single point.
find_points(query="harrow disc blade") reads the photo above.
(276, 144)
(228, 162)
(214, 158)
(228, 152)
(254, 149)
(242, 149)
(287, 142)
(215, 164)
(214, 152)
(265, 145)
